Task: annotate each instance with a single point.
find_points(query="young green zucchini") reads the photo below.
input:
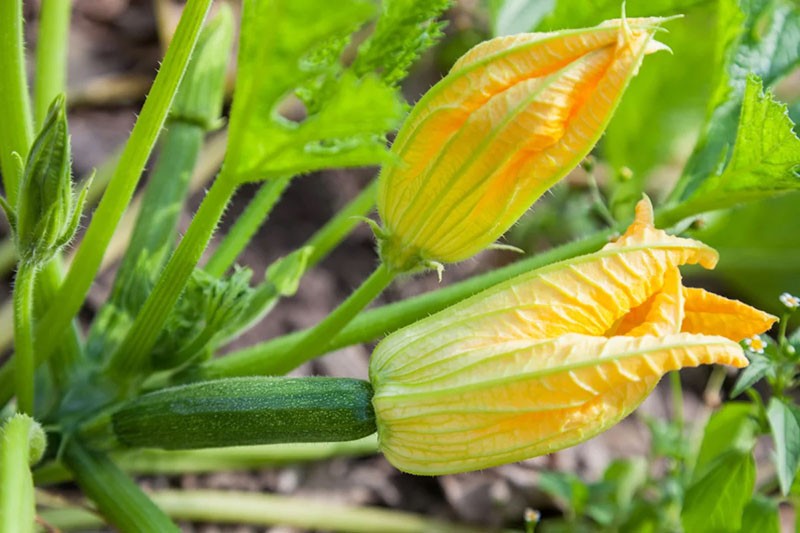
(244, 411)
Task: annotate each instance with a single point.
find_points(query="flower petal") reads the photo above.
(661, 314)
(584, 295)
(715, 315)
(504, 406)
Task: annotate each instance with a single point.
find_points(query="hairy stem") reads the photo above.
(51, 55)
(24, 285)
(16, 134)
(246, 225)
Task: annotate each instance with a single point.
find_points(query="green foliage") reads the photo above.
(785, 425)
(404, 31)
(716, 501)
(761, 514)
(732, 427)
(207, 307)
(761, 38)
(759, 249)
(765, 157)
(347, 115)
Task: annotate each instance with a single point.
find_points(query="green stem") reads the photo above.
(24, 284)
(156, 224)
(132, 356)
(151, 461)
(283, 357)
(120, 500)
(337, 228)
(270, 510)
(121, 187)
(262, 358)
(16, 134)
(51, 55)
(677, 399)
(246, 225)
(21, 444)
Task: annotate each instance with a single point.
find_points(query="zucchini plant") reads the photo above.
(523, 360)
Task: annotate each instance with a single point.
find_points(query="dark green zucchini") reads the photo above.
(246, 411)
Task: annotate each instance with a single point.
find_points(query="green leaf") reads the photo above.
(716, 501)
(761, 37)
(346, 114)
(785, 426)
(732, 427)
(347, 131)
(627, 476)
(567, 489)
(285, 273)
(761, 514)
(765, 157)
(755, 371)
(405, 29)
(759, 249)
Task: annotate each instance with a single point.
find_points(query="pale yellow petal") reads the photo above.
(584, 295)
(505, 406)
(471, 97)
(476, 172)
(712, 314)
(661, 314)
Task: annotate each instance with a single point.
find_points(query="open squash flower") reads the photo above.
(553, 357)
(513, 116)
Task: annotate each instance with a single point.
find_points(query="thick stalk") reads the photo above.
(246, 225)
(121, 187)
(270, 510)
(24, 285)
(21, 444)
(151, 461)
(132, 356)
(16, 134)
(118, 498)
(51, 55)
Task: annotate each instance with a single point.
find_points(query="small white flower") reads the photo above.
(755, 344)
(791, 302)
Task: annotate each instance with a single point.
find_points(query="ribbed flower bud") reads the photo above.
(46, 215)
(553, 357)
(514, 115)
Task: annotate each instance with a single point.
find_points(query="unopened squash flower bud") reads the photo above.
(553, 357)
(46, 215)
(513, 116)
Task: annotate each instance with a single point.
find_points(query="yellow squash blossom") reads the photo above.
(553, 357)
(513, 116)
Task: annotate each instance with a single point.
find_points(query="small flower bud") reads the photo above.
(513, 116)
(46, 216)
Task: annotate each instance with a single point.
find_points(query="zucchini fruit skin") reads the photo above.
(247, 411)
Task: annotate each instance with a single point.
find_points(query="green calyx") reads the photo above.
(46, 215)
(399, 258)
